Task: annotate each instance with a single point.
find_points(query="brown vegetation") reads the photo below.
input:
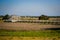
(26, 26)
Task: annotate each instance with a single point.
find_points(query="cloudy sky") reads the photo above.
(30, 7)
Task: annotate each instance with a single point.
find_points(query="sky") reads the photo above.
(30, 7)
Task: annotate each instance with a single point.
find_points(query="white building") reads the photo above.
(14, 18)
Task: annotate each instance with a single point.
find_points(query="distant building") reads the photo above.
(15, 18)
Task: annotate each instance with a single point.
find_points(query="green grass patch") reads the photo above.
(40, 33)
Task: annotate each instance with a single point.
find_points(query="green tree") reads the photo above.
(43, 17)
(6, 17)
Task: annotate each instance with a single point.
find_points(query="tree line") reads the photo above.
(5, 17)
(42, 17)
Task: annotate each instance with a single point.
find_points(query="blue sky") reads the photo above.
(30, 7)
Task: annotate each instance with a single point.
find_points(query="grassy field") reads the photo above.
(41, 33)
(30, 35)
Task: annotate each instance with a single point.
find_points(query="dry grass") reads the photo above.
(26, 26)
(28, 38)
